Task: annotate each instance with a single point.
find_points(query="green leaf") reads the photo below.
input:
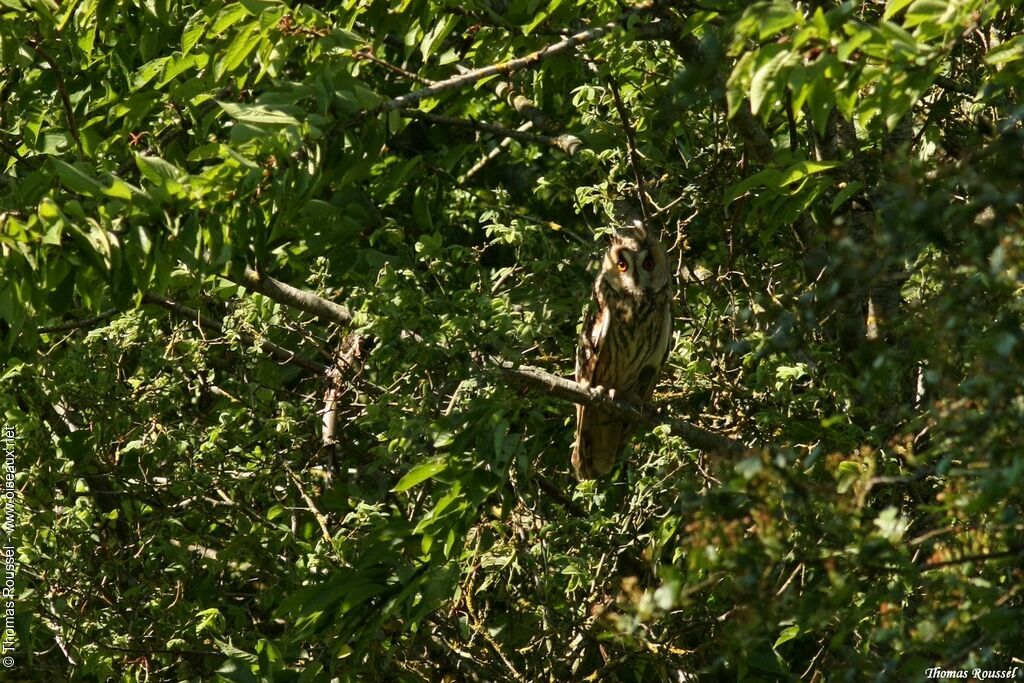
(157, 170)
(787, 634)
(892, 7)
(803, 169)
(1009, 51)
(77, 180)
(821, 101)
(119, 189)
(892, 524)
(194, 29)
(243, 43)
(227, 17)
(178, 64)
(766, 78)
(748, 468)
(775, 17)
(262, 114)
(437, 34)
(845, 194)
(420, 473)
(922, 11)
(234, 652)
(147, 72)
(767, 177)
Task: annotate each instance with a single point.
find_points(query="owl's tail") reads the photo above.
(599, 438)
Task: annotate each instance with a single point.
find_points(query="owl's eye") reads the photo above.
(648, 263)
(622, 264)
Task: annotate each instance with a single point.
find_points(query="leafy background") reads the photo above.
(839, 185)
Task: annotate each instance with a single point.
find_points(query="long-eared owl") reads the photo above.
(624, 342)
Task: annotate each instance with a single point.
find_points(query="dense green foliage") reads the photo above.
(841, 187)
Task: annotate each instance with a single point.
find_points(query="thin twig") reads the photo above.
(320, 518)
(530, 60)
(268, 347)
(634, 157)
(486, 159)
(565, 143)
(368, 55)
(62, 90)
(78, 324)
(559, 496)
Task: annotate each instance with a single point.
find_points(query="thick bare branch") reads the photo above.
(284, 293)
(525, 107)
(530, 377)
(520, 375)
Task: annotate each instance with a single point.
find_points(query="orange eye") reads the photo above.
(622, 264)
(648, 263)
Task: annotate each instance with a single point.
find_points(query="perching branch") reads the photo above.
(565, 143)
(520, 375)
(208, 323)
(530, 377)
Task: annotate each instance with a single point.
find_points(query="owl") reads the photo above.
(624, 343)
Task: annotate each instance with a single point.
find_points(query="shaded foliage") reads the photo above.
(840, 185)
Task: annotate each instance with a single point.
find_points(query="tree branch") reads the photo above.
(284, 293)
(533, 378)
(77, 324)
(368, 55)
(510, 66)
(270, 348)
(525, 107)
(983, 557)
(634, 157)
(520, 375)
(485, 159)
(62, 90)
(566, 143)
(755, 137)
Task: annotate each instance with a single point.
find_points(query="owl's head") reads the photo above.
(635, 263)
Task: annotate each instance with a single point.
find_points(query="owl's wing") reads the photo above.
(649, 375)
(598, 435)
(595, 327)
